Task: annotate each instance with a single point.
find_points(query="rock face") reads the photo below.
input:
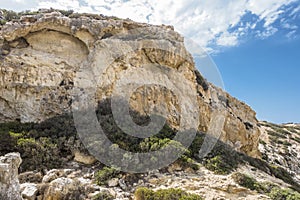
(43, 56)
(9, 183)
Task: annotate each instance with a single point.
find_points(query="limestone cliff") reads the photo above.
(41, 54)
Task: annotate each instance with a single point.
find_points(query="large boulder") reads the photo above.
(9, 183)
(63, 189)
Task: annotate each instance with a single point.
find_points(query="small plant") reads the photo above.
(282, 194)
(262, 142)
(270, 189)
(2, 22)
(219, 165)
(15, 135)
(245, 181)
(297, 139)
(26, 141)
(167, 194)
(105, 174)
(187, 162)
(276, 134)
(286, 143)
(103, 196)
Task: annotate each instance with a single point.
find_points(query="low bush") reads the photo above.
(105, 174)
(166, 194)
(270, 189)
(245, 181)
(283, 194)
(103, 196)
(222, 159)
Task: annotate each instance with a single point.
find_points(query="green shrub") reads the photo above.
(2, 22)
(283, 194)
(286, 143)
(276, 134)
(153, 144)
(103, 196)
(187, 162)
(291, 129)
(297, 139)
(15, 135)
(270, 189)
(41, 145)
(26, 141)
(196, 145)
(245, 181)
(105, 174)
(220, 165)
(262, 142)
(38, 153)
(281, 130)
(166, 194)
(222, 159)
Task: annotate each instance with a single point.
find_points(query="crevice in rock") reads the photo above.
(200, 80)
(248, 125)
(5, 49)
(19, 43)
(106, 35)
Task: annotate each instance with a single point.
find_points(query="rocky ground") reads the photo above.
(80, 181)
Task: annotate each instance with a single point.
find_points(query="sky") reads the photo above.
(255, 44)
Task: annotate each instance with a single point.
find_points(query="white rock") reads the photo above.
(30, 191)
(122, 184)
(84, 181)
(113, 182)
(50, 176)
(84, 158)
(9, 182)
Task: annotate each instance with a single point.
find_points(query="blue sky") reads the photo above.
(254, 43)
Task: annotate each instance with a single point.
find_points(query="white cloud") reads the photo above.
(227, 39)
(269, 31)
(296, 10)
(289, 26)
(207, 22)
(291, 35)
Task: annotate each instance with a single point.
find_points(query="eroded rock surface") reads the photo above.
(44, 56)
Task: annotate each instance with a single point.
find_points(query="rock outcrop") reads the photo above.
(9, 182)
(42, 54)
(279, 145)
